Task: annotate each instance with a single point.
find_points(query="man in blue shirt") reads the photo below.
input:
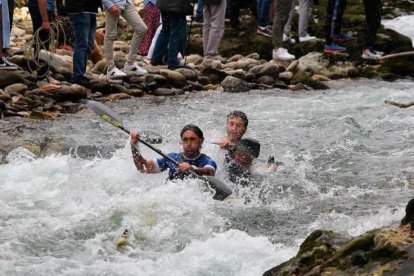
(191, 159)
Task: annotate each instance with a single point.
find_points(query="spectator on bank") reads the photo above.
(42, 13)
(279, 21)
(173, 35)
(214, 12)
(152, 20)
(263, 10)
(305, 7)
(372, 10)
(334, 12)
(82, 14)
(5, 36)
(126, 9)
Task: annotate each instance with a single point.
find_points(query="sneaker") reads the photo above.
(333, 48)
(6, 65)
(282, 54)
(306, 38)
(115, 73)
(289, 39)
(46, 86)
(264, 31)
(370, 54)
(82, 81)
(134, 69)
(180, 65)
(342, 37)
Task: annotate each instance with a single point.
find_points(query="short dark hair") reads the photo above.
(194, 129)
(241, 114)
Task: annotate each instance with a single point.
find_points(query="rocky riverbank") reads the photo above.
(241, 71)
(384, 251)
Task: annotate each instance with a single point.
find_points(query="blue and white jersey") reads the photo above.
(201, 161)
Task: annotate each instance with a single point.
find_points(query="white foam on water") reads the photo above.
(402, 24)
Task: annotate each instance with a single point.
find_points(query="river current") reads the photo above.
(348, 167)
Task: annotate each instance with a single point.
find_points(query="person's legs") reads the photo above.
(81, 25)
(218, 12)
(152, 21)
(131, 16)
(91, 36)
(42, 66)
(263, 12)
(160, 48)
(304, 14)
(281, 16)
(177, 39)
(338, 12)
(373, 21)
(199, 11)
(328, 21)
(206, 27)
(11, 12)
(235, 13)
(111, 27)
(288, 26)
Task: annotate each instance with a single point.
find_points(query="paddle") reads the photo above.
(222, 190)
(111, 117)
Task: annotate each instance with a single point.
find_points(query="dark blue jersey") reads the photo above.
(200, 161)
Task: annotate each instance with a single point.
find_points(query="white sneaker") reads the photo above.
(306, 38)
(370, 54)
(282, 54)
(134, 69)
(115, 73)
(289, 39)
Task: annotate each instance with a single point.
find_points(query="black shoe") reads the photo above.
(83, 81)
(180, 65)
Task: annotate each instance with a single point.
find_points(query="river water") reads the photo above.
(348, 167)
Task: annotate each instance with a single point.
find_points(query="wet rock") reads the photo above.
(99, 68)
(134, 92)
(194, 59)
(320, 78)
(286, 76)
(304, 78)
(267, 69)
(234, 85)
(159, 79)
(235, 58)
(119, 96)
(213, 75)
(174, 78)
(10, 77)
(16, 88)
(255, 56)
(167, 92)
(211, 64)
(267, 80)
(244, 64)
(189, 74)
(71, 93)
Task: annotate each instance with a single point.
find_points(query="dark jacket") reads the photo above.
(76, 6)
(211, 2)
(180, 6)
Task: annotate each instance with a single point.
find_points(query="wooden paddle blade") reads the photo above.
(106, 113)
(222, 190)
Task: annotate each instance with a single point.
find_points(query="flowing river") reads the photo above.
(348, 167)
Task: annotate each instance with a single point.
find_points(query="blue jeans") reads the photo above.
(263, 8)
(172, 38)
(199, 11)
(84, 27)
